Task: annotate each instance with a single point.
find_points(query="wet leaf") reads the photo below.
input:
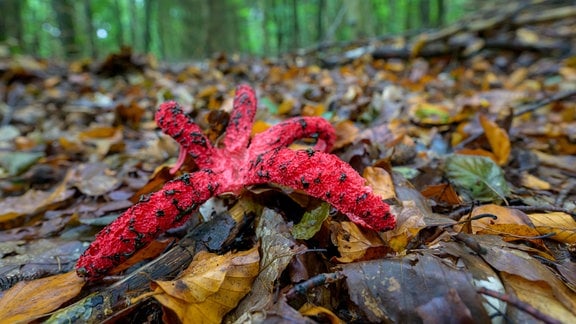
(391, 289)
(477, 177)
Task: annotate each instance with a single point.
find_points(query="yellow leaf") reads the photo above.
(533, 182)
(498, 139)
(259, 126)
(98, 133)
(380, 181)
(313, 110)
(560, 223)
(286, 106)
(29, 300)
(505, 216)
(210, 287)
(410, 221)
(313, 310)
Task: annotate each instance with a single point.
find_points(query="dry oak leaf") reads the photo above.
(210, 287)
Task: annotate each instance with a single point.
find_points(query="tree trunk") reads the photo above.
(424, 14)
(148, 5)
(11, 27)
(64, 10)
(120, 26)
(321, 11)
(295, 26)
(440, 15)
(91, 33)
(134, 25)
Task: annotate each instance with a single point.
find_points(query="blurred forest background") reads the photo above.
(176, 30)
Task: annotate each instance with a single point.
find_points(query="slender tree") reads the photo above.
(424, 12)
(149, 5)
(118, 23)
(295, 25)
(89, 26)
(134, 24)
(320, 12)
(64, 10)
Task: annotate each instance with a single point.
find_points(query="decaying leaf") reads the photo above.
(389, 290)
(210, 287)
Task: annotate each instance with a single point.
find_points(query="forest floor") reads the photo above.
(473, 145)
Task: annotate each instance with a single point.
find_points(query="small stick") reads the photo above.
(514, 301)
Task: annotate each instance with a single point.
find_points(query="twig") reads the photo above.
(316, 281)
(536, 105)
(514, 301)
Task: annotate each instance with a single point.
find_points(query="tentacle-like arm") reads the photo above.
(241, 119)
(145, 221)
(192, 140)
(324, 176)
(293, 129)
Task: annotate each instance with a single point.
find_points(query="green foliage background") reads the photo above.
(176, 30)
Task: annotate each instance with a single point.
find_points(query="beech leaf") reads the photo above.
(211, 287)
(476, 177)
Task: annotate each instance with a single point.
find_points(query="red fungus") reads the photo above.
(241, 162)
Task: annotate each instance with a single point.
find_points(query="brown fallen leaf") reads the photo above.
(29, 300)
(356, 244)
(380, 181)
(210, 287)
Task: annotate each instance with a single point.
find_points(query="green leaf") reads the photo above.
(311, 222)
(18, 162)
(477, 177)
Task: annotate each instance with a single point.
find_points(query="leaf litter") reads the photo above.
(476, 157)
